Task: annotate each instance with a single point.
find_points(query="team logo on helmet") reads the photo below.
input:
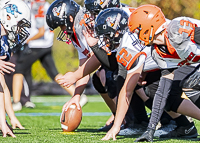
(59, 11)
(56, 11)
(113, 21)
(103, 3)
(12, 8)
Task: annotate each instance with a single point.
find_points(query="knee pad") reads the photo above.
(97, 84)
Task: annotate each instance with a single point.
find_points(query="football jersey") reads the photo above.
(5, 49)
(181, 48)
(80, 42)
(131, 54)
(38, 20)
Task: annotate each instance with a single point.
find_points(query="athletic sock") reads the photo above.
(182, 121)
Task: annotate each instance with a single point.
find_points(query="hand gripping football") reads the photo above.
(71, 118)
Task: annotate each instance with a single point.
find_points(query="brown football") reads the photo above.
(71, 118)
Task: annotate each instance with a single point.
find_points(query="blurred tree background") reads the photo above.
(66, 57)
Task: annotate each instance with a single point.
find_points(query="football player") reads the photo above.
(104, 78)
(15, 20)
(172, 46)
(123, 59)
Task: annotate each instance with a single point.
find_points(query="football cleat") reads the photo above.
(188, 131)
(29, 104)
(146, 136)
(135, 129)
(165, 129)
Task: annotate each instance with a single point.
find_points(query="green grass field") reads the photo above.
(42, 123)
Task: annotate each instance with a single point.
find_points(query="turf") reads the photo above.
(42, 127)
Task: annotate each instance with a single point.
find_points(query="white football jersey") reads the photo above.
(181, 49)
(131, 54)
(38, 20)
(80, 43)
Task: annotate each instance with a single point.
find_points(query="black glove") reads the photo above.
(146, 136)
(192, 80)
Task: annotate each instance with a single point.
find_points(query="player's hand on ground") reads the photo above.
(6, 67)
(74, 100)
(16, 124)
(111, 134)
(91, 41)
(67, 80)
(6, 131)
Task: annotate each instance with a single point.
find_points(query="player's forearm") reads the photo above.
(81, 84)
(88, 67)
(38, 35)
(125, 95)
(122, 107)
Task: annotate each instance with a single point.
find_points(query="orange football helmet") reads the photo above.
(145, 21)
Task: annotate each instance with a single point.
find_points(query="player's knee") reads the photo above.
(97, 84)
(173, 102)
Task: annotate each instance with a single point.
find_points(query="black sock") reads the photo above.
(182, 121)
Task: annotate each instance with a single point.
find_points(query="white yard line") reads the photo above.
(38, 99)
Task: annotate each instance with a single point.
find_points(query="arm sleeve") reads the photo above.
(108, 61)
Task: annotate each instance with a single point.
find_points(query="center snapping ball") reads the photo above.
(71, 118)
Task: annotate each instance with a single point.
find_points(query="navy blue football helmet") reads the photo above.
(110, 26)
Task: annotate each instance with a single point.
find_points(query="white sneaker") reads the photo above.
(83, 100)
(29, 104)
(165, 129)
(17, 106)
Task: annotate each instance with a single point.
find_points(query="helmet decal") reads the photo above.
(56, 11)
(103, 3)
(113, 21)
(12, 8)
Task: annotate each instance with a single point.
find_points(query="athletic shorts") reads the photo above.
(29, 55)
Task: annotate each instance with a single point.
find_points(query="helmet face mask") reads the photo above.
(62, 13)
(93, 7)
(18, 34)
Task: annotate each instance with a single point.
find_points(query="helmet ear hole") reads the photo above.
(8, 17)
(146, 32)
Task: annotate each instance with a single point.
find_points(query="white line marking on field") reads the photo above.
(38, 99)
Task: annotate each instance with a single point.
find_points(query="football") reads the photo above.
(71, 119)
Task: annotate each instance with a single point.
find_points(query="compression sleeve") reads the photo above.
(159, 101)
(108, 61)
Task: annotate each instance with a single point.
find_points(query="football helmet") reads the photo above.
(15, 18)
(59, 14)
(93, 7)
(145, 21)
(110, 26)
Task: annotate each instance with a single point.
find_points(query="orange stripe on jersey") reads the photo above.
(125, 59)
(75, 39)
(135, 57)
(173, 54)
